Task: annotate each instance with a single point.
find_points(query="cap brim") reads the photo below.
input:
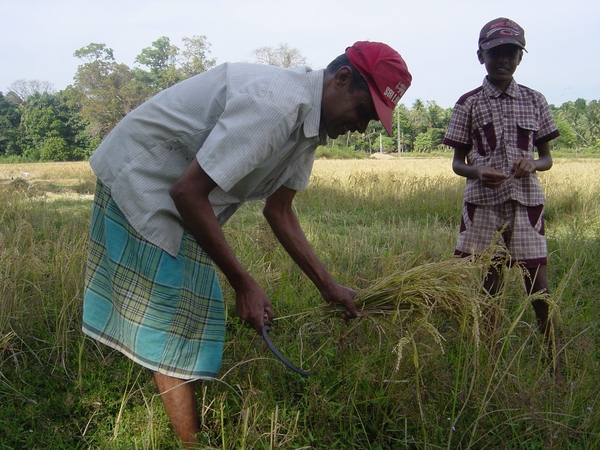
(384, 113)
(496, 42)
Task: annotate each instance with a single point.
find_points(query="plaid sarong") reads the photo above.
(164, 313)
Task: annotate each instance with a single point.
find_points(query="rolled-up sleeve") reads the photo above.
(459, 129)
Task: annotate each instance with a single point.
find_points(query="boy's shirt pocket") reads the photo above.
(526, 131)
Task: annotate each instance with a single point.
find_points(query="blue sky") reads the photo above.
(438, 39)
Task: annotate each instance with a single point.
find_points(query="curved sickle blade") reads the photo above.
(276, 352)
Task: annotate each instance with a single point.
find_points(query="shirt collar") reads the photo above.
(313, 119)
(492, 91)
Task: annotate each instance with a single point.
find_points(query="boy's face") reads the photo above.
(501, 63)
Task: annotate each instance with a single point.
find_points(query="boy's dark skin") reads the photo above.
(501, 62)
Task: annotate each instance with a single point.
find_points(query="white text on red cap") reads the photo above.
(395, 94)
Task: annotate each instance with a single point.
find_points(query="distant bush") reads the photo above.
(55, 149)
(340, 153)
(588, 152)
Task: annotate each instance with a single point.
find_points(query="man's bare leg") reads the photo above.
(180, 403)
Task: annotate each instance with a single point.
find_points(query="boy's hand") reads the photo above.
(523, 167)
(491, 178)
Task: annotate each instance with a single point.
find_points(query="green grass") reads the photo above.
(366, 219)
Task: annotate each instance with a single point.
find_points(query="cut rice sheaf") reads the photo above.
(406, 300)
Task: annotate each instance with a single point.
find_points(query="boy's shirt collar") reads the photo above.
(492, 91)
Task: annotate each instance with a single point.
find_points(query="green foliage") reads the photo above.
(168, 65)
(10, 118)
(108, 90)
(55, 149)
(567, 137)
(40, 117)
(581, 119)
(194, 58)
(111, 90)
(95, 52)
(160, 58)
(31, 123)
(423, 142)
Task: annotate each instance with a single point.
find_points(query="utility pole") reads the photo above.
(399, 142)
(398, 129)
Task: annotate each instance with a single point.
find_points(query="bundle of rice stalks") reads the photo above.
(403, 303)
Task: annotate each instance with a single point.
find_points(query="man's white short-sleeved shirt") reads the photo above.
(253, 128)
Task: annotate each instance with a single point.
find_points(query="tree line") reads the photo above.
(39, 124)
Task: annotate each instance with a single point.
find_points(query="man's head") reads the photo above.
(364, 84)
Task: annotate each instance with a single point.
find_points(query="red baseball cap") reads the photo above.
(386, 73)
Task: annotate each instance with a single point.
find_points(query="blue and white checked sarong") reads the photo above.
(164, 313)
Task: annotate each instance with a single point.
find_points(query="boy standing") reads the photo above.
(494, 130)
